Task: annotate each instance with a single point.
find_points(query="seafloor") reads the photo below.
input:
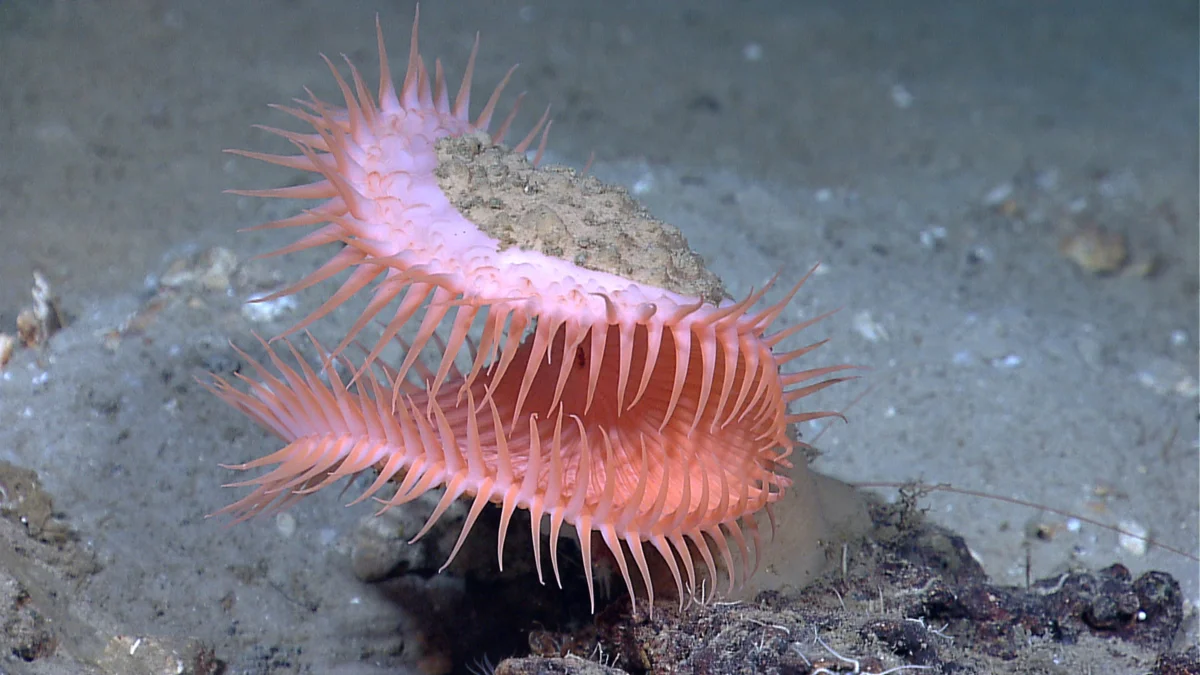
(1003, 196)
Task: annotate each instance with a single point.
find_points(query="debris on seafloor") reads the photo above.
(8, 345)
(1095, 249)
(1042, 198)
(197, 279)
(35, 323)
(209, 271)
(1102, 252)
(1166, 376)
(909, 600)
(192, 279)
(1134, 537)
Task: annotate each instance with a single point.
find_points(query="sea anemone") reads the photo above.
(612, 386)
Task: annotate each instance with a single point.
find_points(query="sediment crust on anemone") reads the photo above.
(557, 212)
(611, 387)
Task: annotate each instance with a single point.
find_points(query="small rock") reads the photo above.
(35, 324)
(211, 271)
(1095, 250)
(1164, 376)
(380, 548)
(1133, 537)
(931, 238)
(997, 195)
(1007, 362)
(286, 524)
(979, 255)
(262, 311)
(869, 328)
(8, 344)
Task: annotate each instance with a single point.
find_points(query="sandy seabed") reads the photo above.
(935, 162)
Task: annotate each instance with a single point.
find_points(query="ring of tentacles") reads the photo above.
(656, 421)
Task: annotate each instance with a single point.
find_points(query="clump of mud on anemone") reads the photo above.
(557, 212)
(586, 368)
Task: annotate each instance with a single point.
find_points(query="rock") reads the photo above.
(911, 597)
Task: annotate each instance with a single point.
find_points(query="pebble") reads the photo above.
(980, 255)
(1007, 362)
(643, 185)
(211, 270)
(262, 311)
(286, 524)
(327, 536)
(932, 237)
(8, 344)
(1135, 541)
(869, 328)
(1095, 249)
(998, 194)
(1164, 376)
(380, 549)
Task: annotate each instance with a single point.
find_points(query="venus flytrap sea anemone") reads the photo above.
(612, 387)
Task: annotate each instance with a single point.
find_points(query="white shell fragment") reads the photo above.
(1134, 538)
